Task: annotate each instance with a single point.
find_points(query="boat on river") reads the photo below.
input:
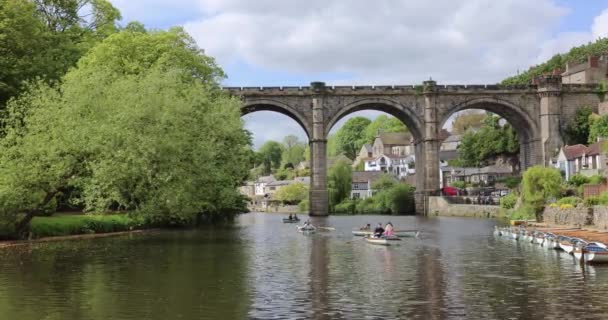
(378, 241)
(307, 228)
(596, 253)
(551, 241)
(287, 220)
(567, 244)
(539, 237)
(398, 233)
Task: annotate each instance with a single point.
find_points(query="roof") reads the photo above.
(304, 180)
(453, 138)
(367, 147)
(445, 155)
(595, 148)
(366, 176)
(280, 183)
(341, 157)
(574, 151)
(395, 138)
(266, 179)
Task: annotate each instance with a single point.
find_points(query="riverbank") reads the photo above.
(14, 243)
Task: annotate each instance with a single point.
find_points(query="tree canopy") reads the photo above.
(45, 38)
(539, 184)
(470, 119)
(351, 136)
(383, 123)
(140, 124)
(477, 147)
(577, 55)
(339, 182)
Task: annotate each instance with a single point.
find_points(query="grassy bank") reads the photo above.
(65, 225)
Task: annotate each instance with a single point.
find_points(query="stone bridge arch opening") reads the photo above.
(413, 174)
(269, 120)
(524, 126)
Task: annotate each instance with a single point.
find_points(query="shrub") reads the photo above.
(604, 198)
(509, 201)
(525, 212)
(511, 182)
(346, 207)
(592, 201)
(573, 201)
(458, 184)
(565, 206)
(578, 180)
(553, 205)
(303, 205)
(539, 184)
(596, 179)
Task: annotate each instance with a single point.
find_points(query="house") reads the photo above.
(580, 159)
(364, 154)
(274, 186)
(260, 184)
(393, 143)
(397, 165)
(480, 176)
(361, 187)
(594, 70)
(248, 189)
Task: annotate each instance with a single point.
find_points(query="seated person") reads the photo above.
(290, 217)
(367, 227)
(379, 230)
(295, 217)
(389, 231)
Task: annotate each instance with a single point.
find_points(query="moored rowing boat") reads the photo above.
(378, 241)
(398, 233)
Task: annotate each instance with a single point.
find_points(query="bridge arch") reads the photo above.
(404, 114)
(527, 129)
(253, 105)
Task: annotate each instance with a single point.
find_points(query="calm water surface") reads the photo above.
(261, 268)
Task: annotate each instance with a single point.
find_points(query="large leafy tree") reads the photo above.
(383, 123)
(139, 125)
(578, 131)
(44, 38)
(351, 136)
(293, 193)
(477, 147)
(539, 184)
(598, 128)
(271, 153)
(293, 150)
(339, 182)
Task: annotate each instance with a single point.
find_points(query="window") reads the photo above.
(356, 195)
(272, 188)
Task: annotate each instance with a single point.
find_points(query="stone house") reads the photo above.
(594, 70)
(248, 189)
(581, 159)
(397, 165)
(362, 181)
(393, 143)
(364, 154)
(260, 184)
(483, 176)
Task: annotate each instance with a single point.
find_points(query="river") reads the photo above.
(260, 268)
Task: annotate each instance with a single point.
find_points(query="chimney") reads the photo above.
(593, 61)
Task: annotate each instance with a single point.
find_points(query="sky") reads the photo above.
(362, 42)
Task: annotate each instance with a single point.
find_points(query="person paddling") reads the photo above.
(379, 230)
(389, 231)
(295, 217)
(367, 227)
(290, 217)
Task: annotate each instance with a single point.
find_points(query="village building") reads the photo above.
(581, 159)
(594, 70)
(362, 182)
(485, 176)
(261, 183)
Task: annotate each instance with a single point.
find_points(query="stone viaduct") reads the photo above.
(539, 113)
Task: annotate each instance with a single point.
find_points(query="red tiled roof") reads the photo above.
(595, 148)
(575, 151)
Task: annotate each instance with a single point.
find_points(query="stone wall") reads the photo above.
(600, 217)
(576, 217)
(438, 206)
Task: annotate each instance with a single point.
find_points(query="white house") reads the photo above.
(361, 187)
(260, 184)
(580, 159)
(399, 166)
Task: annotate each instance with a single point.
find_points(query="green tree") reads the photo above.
(477, 147)
(538, 185)
(332, 146)
(339, 182)
(598, 128)
(293, 151)
(293, 193)
(44, 38)
(576, 54)
(351, 136)
(271, 153)
(155, 135)
(470, 119)
(383, 123)
(578, 131)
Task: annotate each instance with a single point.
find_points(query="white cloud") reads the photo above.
(600, 25)
(379, 42)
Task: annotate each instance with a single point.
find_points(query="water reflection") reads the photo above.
(264, 269)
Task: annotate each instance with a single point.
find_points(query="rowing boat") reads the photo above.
(287, 220)
(378, 241)
(399, 233)
(309, 229)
